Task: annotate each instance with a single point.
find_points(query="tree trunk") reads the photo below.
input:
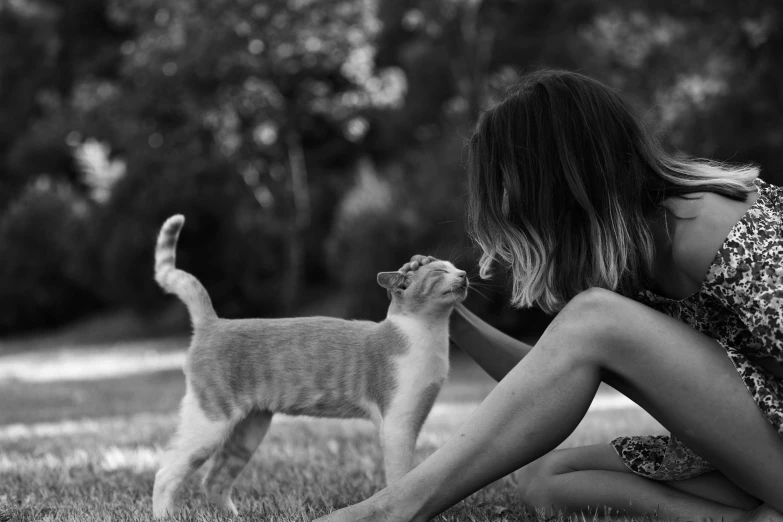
(296, 220)
(298, 223)
(476, 54)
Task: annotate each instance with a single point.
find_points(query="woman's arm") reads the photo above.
(496, 352)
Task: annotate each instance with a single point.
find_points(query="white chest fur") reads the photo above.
(419, 373)
(427, 359)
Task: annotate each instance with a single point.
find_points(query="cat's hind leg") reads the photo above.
(231, 458)
(198, 437)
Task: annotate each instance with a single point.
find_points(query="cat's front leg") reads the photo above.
(400, 429)
(398, 440)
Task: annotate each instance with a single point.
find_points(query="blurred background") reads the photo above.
(312, 144)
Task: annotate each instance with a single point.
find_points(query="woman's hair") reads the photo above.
(563, 185)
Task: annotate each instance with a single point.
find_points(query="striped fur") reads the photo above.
(178, 282)
(239, 373)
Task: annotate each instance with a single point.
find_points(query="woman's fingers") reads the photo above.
(415, 262)
(410, 266)
(422, 260)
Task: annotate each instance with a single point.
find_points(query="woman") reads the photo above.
(667, 279)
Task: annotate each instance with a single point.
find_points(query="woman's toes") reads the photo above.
(765, 513)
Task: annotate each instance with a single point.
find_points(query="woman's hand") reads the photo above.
(415, 262)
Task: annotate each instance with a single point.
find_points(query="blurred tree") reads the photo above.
(23, 40)
(708, 72)
(42, 278)
(250, 116)
(46, 47)
(455, 53)
(264, 90)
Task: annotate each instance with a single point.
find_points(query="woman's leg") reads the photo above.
(591, 478)
(681, 377)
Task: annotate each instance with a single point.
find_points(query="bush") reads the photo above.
(371, 234)
(228, 242)
(43, 282)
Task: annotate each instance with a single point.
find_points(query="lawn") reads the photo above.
(82, 429)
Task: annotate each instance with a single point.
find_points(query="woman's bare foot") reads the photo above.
(764, 513)
(356, 513)
(375, 509)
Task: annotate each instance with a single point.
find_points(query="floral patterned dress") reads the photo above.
(740, 305)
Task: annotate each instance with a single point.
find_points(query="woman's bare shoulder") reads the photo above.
(707, 221)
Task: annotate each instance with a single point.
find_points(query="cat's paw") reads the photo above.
(224, 504)
(161, 504)
(160, 510)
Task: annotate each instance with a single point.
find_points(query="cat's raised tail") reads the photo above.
(176, 281)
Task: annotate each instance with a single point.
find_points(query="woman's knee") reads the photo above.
(537, 487)
(542, 483)
(588, 325)
(595, 307)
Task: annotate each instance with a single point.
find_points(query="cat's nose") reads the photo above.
(461, 274)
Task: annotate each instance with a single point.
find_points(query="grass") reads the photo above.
(85, 446)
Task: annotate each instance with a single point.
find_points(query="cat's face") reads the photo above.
(436, 285)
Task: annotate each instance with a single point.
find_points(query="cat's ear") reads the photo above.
(393, 281)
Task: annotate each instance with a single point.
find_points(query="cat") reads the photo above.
(240, 372)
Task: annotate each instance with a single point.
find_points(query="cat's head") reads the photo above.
(434, 288)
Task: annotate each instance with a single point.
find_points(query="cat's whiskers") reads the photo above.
(454, 294)
(459, 256)
(481, 294)
(476, 280)
(481, 285)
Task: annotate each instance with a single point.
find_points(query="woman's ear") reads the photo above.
(394, 281)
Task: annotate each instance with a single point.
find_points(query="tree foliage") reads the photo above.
(276, 126)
